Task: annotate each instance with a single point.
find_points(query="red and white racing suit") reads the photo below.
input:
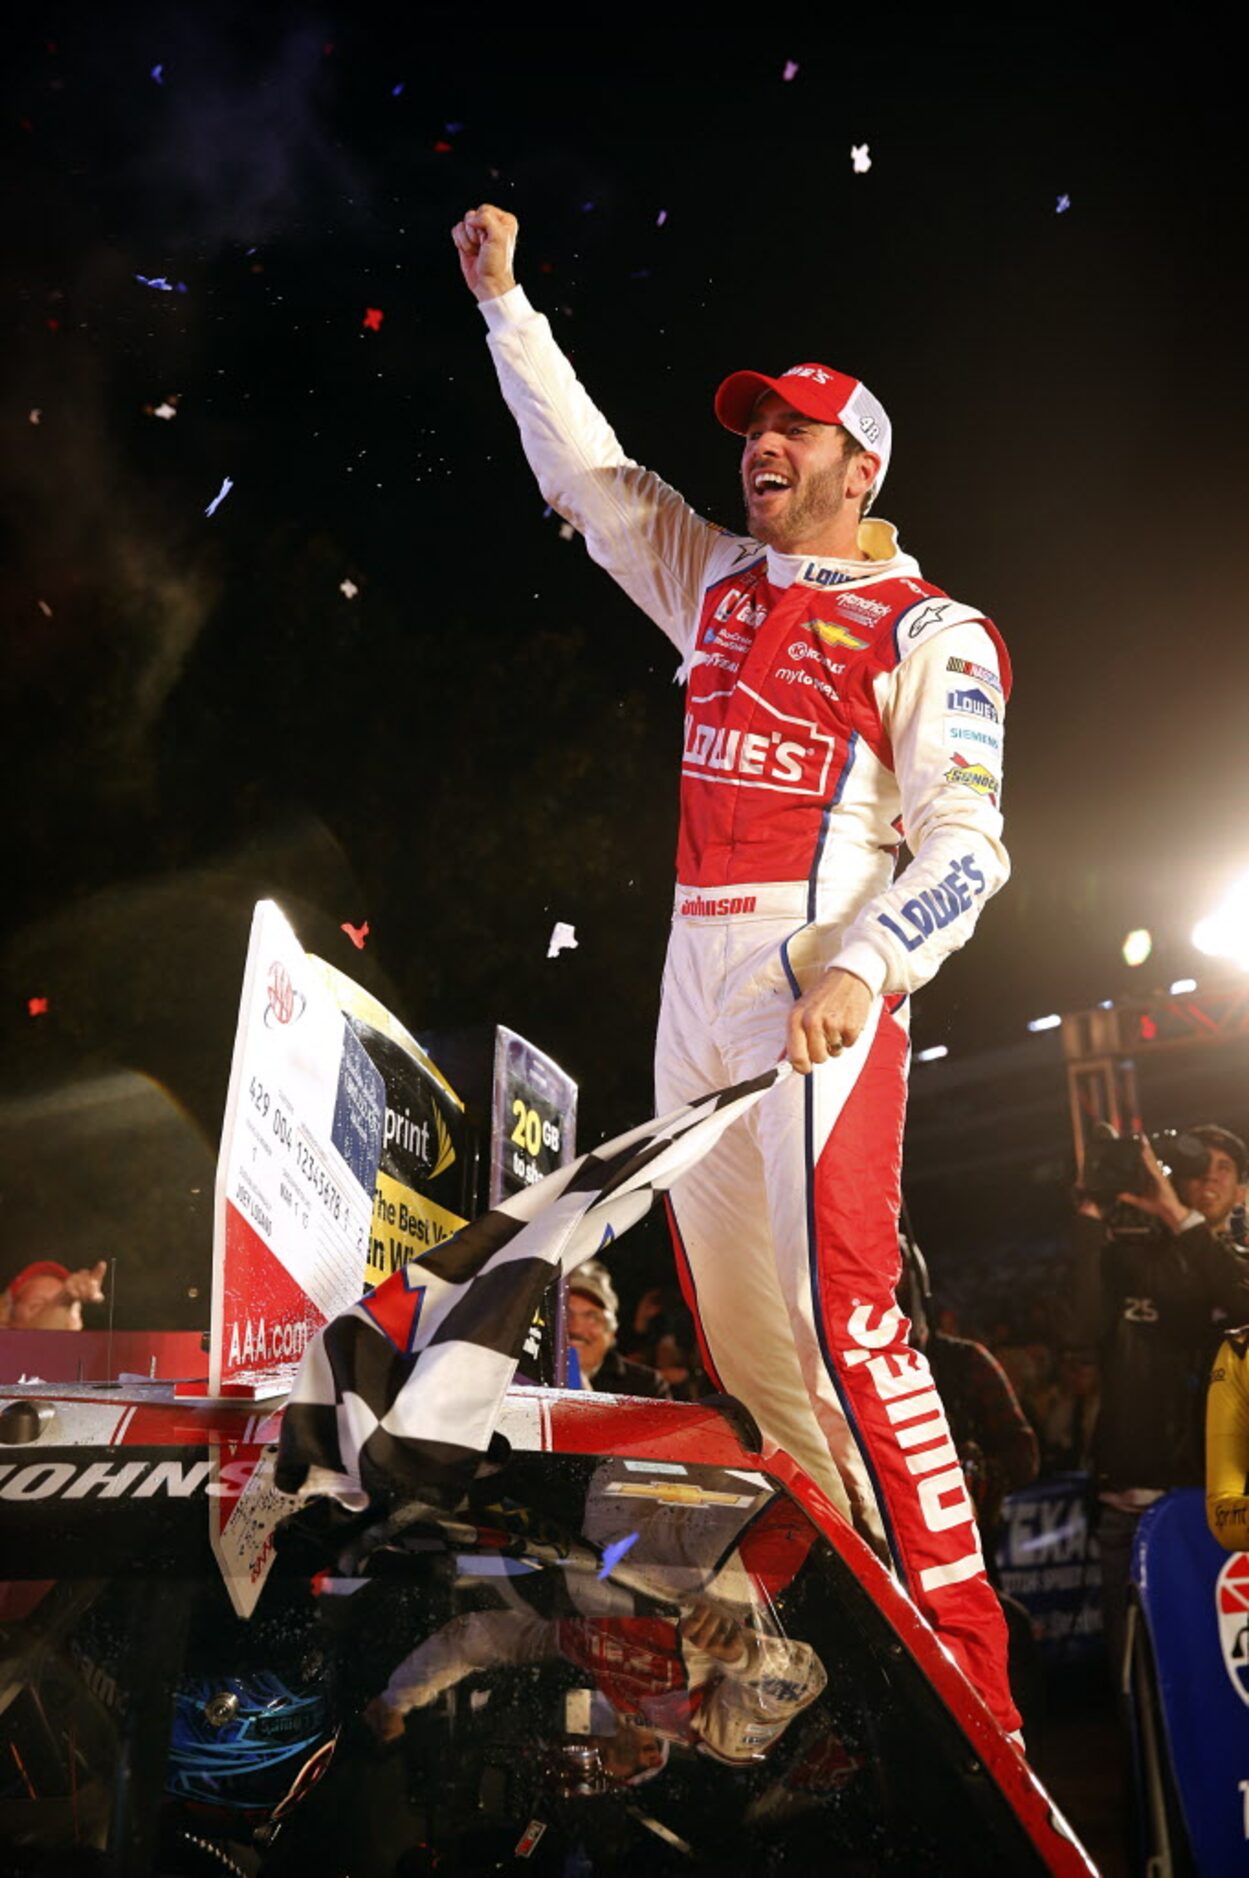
(831, 707)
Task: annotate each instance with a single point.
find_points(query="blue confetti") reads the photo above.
(158, 73)
(612, 1554)
(586, 207)
(453, 130)
(227, 484)
(161, 284)
(396, 91)
(1064, 203)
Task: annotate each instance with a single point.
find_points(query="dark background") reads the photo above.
(484, 740)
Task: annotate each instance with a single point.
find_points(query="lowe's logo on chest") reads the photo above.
(795, 759)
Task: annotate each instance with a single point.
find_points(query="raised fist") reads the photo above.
(486, 242)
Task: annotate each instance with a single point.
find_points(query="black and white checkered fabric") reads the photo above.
(398, 1398)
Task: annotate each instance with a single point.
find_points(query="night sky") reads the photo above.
(483, 739)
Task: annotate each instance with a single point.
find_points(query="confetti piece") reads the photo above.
(612, 1554)
(453, 130)
(165, 410)
(1064, 203)
(38, 1007)
(661, 218)
(566, 531)
(791, 70)
(356, 934)
(442, 147)
(563, 938)
(161, 284)
(35, 416)
(861, 160)
(44, 608)
(586, 207)
(53, 326)
(158, 73)
(373, 317)
(396, 91)
(349, 588)
(227, 484)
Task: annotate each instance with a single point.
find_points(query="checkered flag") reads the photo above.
(398, 1397)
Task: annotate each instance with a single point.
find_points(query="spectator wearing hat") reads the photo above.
(593, 1316)
(48, 1296)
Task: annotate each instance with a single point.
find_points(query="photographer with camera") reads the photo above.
(1157, 1274)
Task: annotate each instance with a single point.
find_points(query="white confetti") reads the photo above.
(791, 70)
(349, 588)
(562, 938)
(861, 160)
(227, 484)
(45, 609)
(566, 531)
(36, 416)
(661, 218)
(165, 410)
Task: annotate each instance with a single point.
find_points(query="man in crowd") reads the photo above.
(1148, 1303)
(836, 703)
(593, 1318)
(48, 1296)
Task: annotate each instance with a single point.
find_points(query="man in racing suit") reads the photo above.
(836, 703)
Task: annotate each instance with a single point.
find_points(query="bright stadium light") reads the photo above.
(1137, 946)
(1046, 1023)
(1224, 933)
(933, 1055)
(1181, 985)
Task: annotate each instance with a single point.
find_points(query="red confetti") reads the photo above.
(373, 317)
(24, 123)
(38, 1007)
(356, 934)
(442, 147)
(54, 326)
(1149, 1030)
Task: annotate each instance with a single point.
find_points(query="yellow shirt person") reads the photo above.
(1227, 1443)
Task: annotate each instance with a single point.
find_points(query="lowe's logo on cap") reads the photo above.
(806, 371)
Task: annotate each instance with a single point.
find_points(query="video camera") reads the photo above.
(1114, 1163)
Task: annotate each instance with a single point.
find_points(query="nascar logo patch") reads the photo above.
(1231, 1603)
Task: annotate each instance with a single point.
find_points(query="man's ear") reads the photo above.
(861, 473)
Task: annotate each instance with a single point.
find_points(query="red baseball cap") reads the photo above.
(42, 1268)
(819, 392)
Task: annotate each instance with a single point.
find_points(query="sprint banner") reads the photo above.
(421, 1175)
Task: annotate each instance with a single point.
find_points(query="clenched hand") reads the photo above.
(827, 1020)
(486, 242)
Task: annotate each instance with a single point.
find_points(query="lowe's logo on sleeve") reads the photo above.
(934, 907)
(973, 703)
